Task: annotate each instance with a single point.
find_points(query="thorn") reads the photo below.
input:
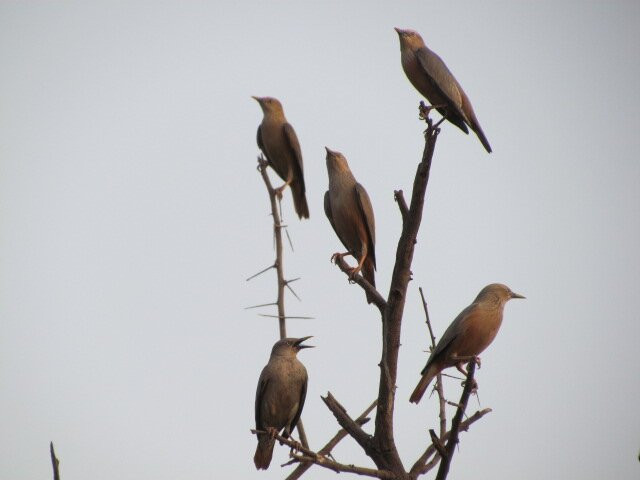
(286, 231)
(261, 305)
(286, 284)
(285, 316)
(261, 272)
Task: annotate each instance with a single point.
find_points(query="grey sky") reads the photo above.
(131, 213)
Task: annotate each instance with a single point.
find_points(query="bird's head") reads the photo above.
(289, 346)
(496, 293)
(409, 38)
(336, 161)
(269, 104)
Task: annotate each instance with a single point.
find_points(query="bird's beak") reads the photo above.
(257, 99)
(517, 295)
(329, 151)
(300, 340)
(399, 30)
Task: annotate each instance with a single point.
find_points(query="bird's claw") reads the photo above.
(351, 274)
(474, 386)
(271, 431)
(296, 447)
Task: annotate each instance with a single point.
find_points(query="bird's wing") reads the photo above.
(262, 387)
(442, 78)
(450, 334)
(329, 214)
(292, 140)
(303, 396)
(260, 143)
(366, 210)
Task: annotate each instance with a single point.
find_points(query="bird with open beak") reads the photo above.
(282, 389)
(469, 334)
(430, 76)
(278, 141)
(348, 208)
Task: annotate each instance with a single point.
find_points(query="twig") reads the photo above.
(378, 300)
(437, 443)
(346, 422)
(326, 450)
(55, 463)
(438, 387)
(443, 470)
(313, 457)
(398, 195)
(419, 466)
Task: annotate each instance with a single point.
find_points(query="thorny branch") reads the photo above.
(278, 264)
(338, 437)
(378, 299)
(55, 463)
(308, 455)
(421, 467)
(439, 387)
(443, 470)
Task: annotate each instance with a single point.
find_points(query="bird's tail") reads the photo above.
(368, 272)
(424, 382)
(300, 201)
(264, 452)
(485, 143)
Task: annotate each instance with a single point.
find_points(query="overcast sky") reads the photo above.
(131, 214)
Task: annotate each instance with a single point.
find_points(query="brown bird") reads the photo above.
(280, 396)
(430, 76)
(349, 211)
(279, 143)
(468, 335)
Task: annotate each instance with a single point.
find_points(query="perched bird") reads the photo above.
(468, 335)
(279, 143)
(282, 388)
(430, 76)
(349, 211)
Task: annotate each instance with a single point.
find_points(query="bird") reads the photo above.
(278, 141)
(348, 208)
(282, 388)
(430, 76)
(469, 334)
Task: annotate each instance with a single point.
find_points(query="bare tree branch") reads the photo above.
(420, 468)
(439, 387)
(402, 204)
(318, 459)
(378, 300)
(443, 470)
(55, 463)
(346, 422)
(326, 450)
(385, 452)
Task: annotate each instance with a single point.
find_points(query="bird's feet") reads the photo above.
(337, 256)
(278, 191)
(474, 386)
(352, 272)
(271, 431)
(295, 447)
